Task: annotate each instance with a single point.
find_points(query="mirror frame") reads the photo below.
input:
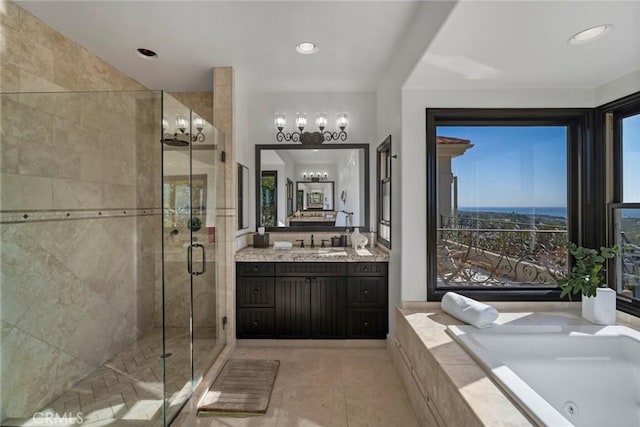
(366, 227)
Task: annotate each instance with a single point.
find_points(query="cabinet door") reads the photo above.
(255, 323)
(293, 314)
(328, 307)
(254, 291)
(367, 292)
(367, 323)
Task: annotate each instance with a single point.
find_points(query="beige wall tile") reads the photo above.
(9, 14)
(48, 161)
(31, 126)
(27, 54)
(9, 154)
(9, 77)
(119, 196)
(31, 83)
(92, 167)
(222, 76)
(25, 192)
(71, 194)
(37, 31)
(223, 97)
(22, 277)
(44, 374)
(222, 120)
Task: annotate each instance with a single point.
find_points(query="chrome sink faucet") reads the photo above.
(312, 244)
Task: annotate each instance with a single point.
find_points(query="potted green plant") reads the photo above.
(586, 277)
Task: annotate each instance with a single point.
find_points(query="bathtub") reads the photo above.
(563, 375)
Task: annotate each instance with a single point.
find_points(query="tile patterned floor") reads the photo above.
(345, 387)
(127, 390)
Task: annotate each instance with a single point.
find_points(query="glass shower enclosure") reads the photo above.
(111, 294)
(193, 309)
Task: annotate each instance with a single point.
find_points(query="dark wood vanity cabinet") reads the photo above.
(324, 300)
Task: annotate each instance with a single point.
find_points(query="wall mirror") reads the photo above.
(243, 197)
(331, 187)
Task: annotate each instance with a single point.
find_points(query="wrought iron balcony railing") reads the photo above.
(475, 252)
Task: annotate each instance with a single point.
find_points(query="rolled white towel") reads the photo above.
(281, 245)
(469, 310)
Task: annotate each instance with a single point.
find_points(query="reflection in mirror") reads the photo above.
(315, 195)
(331, 191)
(243, 197)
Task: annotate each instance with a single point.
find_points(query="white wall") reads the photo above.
(389, 101)
(361, 107)
(245, 153)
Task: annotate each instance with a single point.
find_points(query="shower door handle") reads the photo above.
(190, 259)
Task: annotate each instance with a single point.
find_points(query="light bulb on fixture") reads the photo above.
(301, 120)
(321, 121)
(184, 137)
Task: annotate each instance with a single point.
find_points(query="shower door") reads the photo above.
(192, 306)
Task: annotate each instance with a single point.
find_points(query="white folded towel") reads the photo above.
(469, 310)
(281, 245)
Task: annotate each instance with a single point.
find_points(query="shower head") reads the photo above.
(176, 140)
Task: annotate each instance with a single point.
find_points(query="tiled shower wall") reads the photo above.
(73, 291)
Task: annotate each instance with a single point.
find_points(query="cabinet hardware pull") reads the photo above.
(365, 268)
(256, 323)
(366, 291)
(365, 323)
(256, 291)
(255, 268)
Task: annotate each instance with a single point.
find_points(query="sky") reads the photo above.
(524, 166)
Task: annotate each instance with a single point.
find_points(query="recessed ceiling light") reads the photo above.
(590, 34)
(306, 48)
(146, 53)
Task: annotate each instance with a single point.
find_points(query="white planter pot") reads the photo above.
(600, 309)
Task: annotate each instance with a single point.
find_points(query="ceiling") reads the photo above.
(482, 44)
(507, 44)
(258, 38)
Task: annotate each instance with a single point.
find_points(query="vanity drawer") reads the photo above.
(255, 269)
(255, 291)
(367, 292)
(255, 323)
(310, 269)
(367, 269)
(367, 323)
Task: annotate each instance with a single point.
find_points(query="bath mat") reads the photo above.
(243, 387)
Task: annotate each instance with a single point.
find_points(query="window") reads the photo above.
(502, 200)
(269, 199)
(622, 134)
(383, 180)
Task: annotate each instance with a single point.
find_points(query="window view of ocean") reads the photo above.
(549, 211)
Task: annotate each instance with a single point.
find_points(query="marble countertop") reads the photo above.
(251, 254)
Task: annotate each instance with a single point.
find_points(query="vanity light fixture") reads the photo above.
(590, 34)
(311, 138)
(183, 138)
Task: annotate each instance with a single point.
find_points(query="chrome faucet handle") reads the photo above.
(312, 243)
(301, 242)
